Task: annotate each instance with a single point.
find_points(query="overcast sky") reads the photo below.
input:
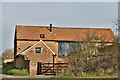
(60, 0)
(0, 29)
(79, 14)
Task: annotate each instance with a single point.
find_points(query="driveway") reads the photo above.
(49, 77)
(11, 77)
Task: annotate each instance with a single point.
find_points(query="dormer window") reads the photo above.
(42, 35)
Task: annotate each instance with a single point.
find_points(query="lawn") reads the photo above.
(88, 76)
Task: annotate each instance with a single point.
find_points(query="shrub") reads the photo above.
(5, 69)
(18, 72)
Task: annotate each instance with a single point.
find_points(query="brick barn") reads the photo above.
(35, 45)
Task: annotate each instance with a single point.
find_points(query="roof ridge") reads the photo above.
(61, 27)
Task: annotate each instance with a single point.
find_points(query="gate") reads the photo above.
(39, 68)
(50, 68)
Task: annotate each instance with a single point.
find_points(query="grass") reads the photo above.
(118, 73)
(18, 72)
(14, 71)
(88, 76)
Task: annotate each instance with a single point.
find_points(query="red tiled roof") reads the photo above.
(60, 33)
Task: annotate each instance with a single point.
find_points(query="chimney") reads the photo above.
(50, 28)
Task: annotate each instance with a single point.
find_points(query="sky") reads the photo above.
(60, 14)
(60, 0)
(0, 28)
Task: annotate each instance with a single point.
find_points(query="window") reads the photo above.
(38, 49)
(66, 48)
(63, 49)
(42, 36)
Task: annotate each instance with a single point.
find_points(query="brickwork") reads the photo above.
(44, 57)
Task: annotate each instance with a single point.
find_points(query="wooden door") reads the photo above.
(39, 68)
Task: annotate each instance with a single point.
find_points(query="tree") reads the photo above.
(8, 53)
(88, 58)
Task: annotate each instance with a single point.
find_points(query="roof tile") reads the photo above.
(60, 33)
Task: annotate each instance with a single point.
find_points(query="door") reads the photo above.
(39, 68)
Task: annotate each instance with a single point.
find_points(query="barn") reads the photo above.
(38, 48)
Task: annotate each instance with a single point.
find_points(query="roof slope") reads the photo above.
(24, 52)
(60, 33)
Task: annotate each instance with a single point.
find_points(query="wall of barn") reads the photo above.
(19, 62)
(45, 56)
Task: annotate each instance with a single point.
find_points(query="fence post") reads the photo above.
(53, 62)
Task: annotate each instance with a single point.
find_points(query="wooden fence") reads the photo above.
(50, 68)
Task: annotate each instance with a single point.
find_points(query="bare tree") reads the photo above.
(8, 53)
(87, 57)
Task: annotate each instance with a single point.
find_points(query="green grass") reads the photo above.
(119, 73)
(14, 71)
(88, 76)
(18, 72)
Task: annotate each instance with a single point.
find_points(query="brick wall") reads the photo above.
(44, 57)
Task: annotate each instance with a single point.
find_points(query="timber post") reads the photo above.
(53, 62)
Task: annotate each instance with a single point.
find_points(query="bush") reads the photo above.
(14, 71)
(5, 69)
(18, 72)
